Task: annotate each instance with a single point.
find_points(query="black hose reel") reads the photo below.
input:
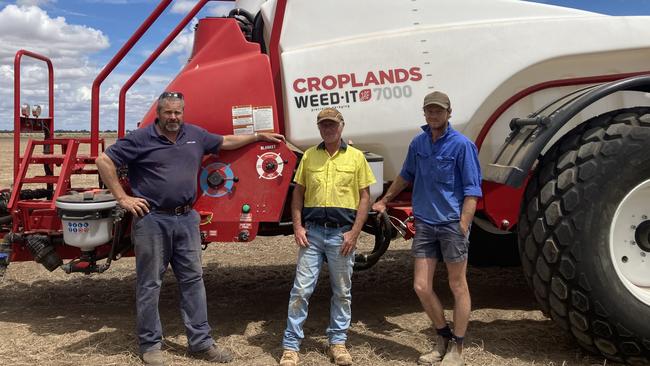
(383, 235)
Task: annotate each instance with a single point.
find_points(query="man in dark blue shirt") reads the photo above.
(163, 161)
(443, 167)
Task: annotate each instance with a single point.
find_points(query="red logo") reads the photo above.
(365, 95)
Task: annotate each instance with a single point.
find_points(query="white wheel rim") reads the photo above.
(631, 261)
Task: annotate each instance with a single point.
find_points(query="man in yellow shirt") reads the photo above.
(329, 207)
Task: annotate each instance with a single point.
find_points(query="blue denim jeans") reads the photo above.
(323, 243)
(160, 240)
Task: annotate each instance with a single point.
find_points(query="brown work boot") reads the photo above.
(153, 358)
(289, 358)
(339, 354)
(214, 354)
(453, 357)
(437, 354)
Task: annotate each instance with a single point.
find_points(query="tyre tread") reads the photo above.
(565, 178)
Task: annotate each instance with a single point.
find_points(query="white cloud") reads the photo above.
(182, 44)
(221, 8)
(182, 6)
(214, 8)
(34, 2)
(69, 47)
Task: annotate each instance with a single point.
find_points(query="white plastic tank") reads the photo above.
(376, 163)
(87, 218)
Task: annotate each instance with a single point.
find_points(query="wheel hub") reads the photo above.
(642, 236)
(630, 241)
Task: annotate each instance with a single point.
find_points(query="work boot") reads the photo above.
(153, 358)
(453, 357)
(214, 354)
(437, 354)
(339, 354)
(289, 358)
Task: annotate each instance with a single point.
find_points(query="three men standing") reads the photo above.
(329, 208)
(443, 167)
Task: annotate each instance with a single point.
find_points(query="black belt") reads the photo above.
(177, 211)
(330, 224)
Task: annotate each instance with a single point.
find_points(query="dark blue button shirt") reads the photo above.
(160, 171)
(443, 174)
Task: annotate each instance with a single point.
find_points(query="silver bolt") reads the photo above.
(643, 254)
(633, 227)
(645, 217)
(632, 242)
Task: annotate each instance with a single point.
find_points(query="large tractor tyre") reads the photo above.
(584, 232)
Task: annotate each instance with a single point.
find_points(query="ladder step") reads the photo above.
(58, 159)
(35, 204)
(53, 141)
(42, 179)
(47, 159)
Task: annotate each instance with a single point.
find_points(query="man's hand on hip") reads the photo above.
(135, 205)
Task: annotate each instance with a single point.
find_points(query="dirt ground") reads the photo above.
(58, 319)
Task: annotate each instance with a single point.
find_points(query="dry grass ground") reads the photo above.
(58, 319)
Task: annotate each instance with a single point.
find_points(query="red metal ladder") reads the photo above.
(68, 161)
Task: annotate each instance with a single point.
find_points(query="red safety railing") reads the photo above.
(94, 113)
(145, 65)
(274, 56)
(94, 103)
(17, 126)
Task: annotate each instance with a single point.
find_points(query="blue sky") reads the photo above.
(82, 35)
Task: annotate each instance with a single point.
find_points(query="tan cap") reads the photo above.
(437, 98)
(329, 114)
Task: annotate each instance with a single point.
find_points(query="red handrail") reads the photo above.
(145, 65)
(50, 72)
(274, 56)
(94, 107)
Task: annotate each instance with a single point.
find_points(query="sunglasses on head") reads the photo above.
(171, 95)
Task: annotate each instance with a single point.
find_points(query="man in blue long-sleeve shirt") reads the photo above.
(442, 165)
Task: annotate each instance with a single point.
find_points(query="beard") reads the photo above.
(172, 126)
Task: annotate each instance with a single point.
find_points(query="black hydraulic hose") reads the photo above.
(5, 220)
(258, 32)
(47, 149)
(242, 12)
(117, 238)
(383, 235)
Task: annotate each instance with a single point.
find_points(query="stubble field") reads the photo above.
(58, 319)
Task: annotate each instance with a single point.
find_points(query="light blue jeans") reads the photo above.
(323, 242)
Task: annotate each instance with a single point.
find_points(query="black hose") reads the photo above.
(43, 251)
(5, 220)
(239, 11)
(258, 32)
(383, 235)
(117, 238)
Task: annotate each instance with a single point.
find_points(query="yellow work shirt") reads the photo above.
(332, 183)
